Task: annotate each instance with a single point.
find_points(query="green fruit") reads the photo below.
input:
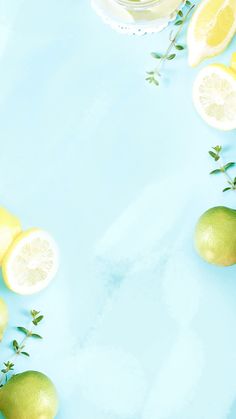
(215, 236)
(3, 317)
(30, 395)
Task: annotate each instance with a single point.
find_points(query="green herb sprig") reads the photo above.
(19, 348)
(215, 153)
(153, 76)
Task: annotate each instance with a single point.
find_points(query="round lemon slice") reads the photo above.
(214, 96)
(31, 262)
(211, 29)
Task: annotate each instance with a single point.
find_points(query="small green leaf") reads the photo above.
(180, 13)
(34, 313)
(179, 47)
(214, 172)
(15, 345)
(155, 82)
(179, 22)
(35, 335)
(151, 80)
(228, 165)
(37, 320)
(188, 3)
(23, 330)
(214, 155)
(156, 55)
(25, 353)
(226, 189)
(9, 367)
(217, 148)
(171, 56)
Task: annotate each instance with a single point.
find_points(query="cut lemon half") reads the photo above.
(31, 262)
(214, 95)
(211, 29)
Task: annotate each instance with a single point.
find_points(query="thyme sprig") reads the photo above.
(153, 76)
(19, 347)
(215, 153)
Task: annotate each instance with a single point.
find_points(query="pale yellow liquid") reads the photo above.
(160, 9)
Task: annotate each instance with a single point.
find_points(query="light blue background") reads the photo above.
(136, 325)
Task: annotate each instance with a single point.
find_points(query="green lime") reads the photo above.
(30, 395)
(215, 236)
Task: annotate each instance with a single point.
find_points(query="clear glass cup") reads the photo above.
(137, 16)
(149, 9)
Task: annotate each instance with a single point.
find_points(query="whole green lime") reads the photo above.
(215, 236)
(30, 395)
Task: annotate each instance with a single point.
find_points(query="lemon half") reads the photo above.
(214, 95)
(211, 29)
(31, 262)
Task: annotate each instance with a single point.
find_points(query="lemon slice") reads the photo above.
(211, 29)
(214, 95)
(31, 262)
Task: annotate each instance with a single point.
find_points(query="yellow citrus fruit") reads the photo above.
(214, 95)
(211, 29)
(31, 262)
(10, 227)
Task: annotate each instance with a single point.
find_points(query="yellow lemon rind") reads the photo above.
(200, 50)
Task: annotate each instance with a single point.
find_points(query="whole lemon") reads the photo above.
(215, 236)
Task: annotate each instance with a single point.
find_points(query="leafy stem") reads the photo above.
(19, 347)
(215, 153)
(153, 77)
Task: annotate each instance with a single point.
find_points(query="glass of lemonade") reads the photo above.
(137, 16)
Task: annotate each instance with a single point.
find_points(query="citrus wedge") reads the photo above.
(31, 262)
(211, 29)
(214, 95)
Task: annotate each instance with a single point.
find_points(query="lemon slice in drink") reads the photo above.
(31, 262)
(211, 29)
(214, 95)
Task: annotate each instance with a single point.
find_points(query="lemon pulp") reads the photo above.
(211, 29)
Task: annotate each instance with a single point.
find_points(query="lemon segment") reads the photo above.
(211, 29)
(31, 262)
(214, 96)
(10, 227)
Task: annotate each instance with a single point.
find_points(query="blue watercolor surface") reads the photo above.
(136, 326)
